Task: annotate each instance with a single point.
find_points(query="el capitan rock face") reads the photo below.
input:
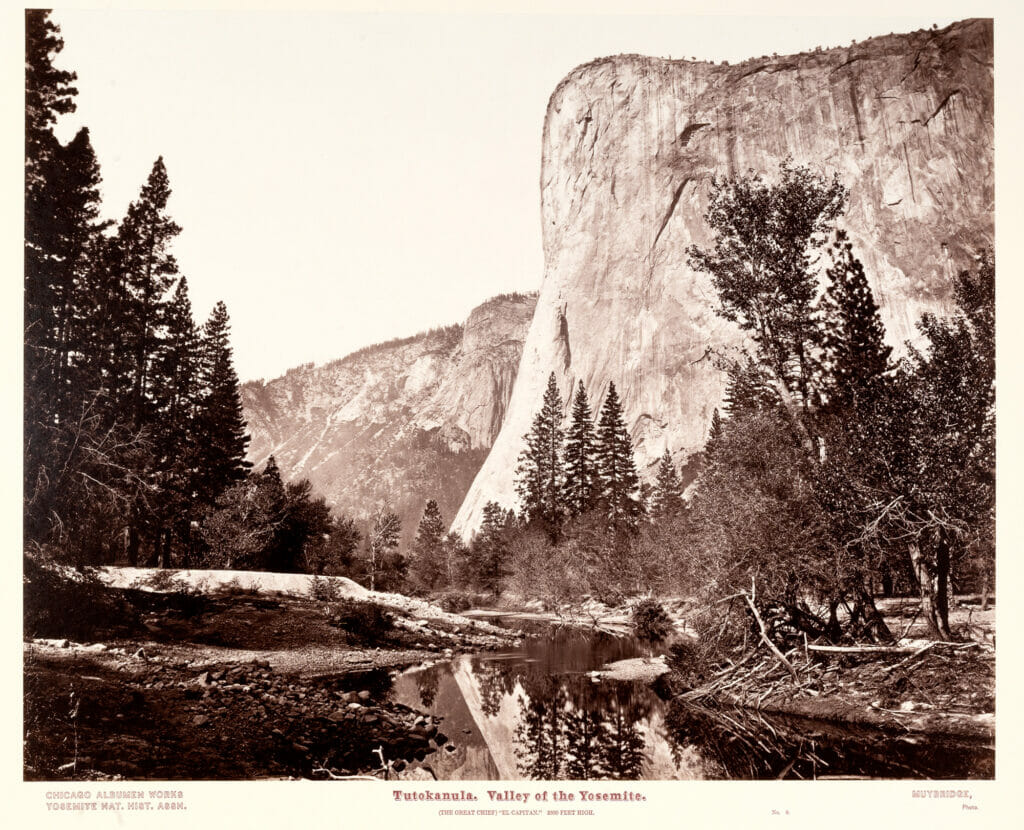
(396, 423)
(630, 146)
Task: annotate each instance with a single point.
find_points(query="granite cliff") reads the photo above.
(396, 423)
(630, 145)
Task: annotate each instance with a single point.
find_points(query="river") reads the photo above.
(536, 712)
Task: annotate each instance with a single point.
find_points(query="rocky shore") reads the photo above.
(238, 687)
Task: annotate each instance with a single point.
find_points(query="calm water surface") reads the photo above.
(535, 712)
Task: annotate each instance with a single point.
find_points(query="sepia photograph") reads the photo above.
(551, 401)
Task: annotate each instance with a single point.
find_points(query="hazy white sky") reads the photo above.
(343, 179)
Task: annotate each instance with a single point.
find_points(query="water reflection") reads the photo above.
(536, 713)
(541, 715)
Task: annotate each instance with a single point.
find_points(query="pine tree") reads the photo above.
(539, 474)
(64, 228)
(855, 353)
(148, 271)
(580, 463)
(80, 470)
(619, 484)
(384, 538)
(488, 551)
(307, 523)
(48, 90)
(715, 435)
(220, 427)
(668, 499)
(428, 564)
(176, 391)
(748, 389)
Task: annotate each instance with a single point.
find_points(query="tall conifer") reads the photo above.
(617, 477)
(148, 270)
(489, 551)
(580, 462)
(855, 353)
(539, 474)
(668, 497)
(220, 427)
(428, 564)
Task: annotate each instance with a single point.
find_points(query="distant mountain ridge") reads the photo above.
(397, 422)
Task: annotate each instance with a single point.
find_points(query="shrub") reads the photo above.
(323, 589)
(161, 580)
(235, 588)
(651, 622)
(455, 602)
(363, 619)
(59, 603)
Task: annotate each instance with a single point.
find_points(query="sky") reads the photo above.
(343, 179)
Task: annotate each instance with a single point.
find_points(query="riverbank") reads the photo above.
(915, 685)
(157, 675)
(151, 674)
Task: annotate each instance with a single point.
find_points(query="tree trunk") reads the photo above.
(928, 588)
(942, 567)
(133, 542)
(164, 537)
(873, 618)
(887, 585)
(833, 631)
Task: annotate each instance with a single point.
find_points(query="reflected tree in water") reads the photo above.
(574, 729)
(624, 747)
(427, 682)
(586, 739)
(540, 737)
(497, 681)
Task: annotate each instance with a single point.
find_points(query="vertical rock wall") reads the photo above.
(630, 146)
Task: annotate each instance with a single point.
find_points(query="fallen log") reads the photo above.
(889, 649)
(864, 649)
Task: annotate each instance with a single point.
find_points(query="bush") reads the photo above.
(236, 589)
(366, 620)
(455, 602)
(161, 580)
(324, 590)
(60, 603)
(693, 662)
(651, 622)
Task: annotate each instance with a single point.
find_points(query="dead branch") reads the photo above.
(913, 656)
(335, 777)
(767, 639)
